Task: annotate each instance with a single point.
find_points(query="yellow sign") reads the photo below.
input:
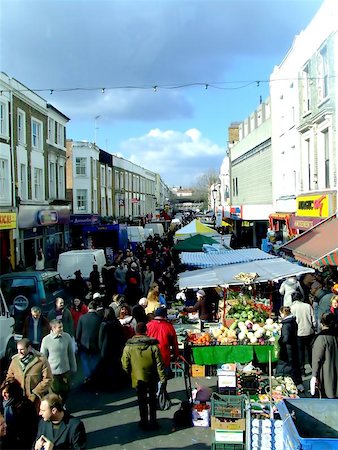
(313, 205)
(7, 220)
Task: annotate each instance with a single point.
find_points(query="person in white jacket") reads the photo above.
(303, 312)
(288, 287)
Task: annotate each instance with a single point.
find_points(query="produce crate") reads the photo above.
(226, 446)
(228, 406)
(228, 424)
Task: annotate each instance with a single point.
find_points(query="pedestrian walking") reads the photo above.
(142, 360)
(58, 348)
(32, 371)
(60, 312)
(306, 326)
(35, 327)
(40, 260)
(58, 429)
(95, 279)
(138, 311)
(20, 415)
(162, 330)
(325, 359)
(287, 288)
(87, 337)
(77, 310)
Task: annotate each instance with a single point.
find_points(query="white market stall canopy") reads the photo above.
(195, 227)
(223, 257)
(267, 270)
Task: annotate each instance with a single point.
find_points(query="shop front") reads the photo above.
(46, 228)
(313, 209)
(7, 253)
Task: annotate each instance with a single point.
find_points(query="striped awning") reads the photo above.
(318, 246)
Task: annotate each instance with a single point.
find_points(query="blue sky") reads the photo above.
(179, 130)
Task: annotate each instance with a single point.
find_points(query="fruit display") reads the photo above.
(239, 332)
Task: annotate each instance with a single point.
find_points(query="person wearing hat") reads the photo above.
(78, 286)
(162, 330)
(133, 274)
(202, 306)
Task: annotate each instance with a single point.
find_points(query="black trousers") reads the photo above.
(147, 402)
(304, 346)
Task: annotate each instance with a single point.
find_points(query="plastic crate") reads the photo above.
(226, 446)
(228, 406)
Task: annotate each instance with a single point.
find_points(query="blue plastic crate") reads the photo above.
(309, 423)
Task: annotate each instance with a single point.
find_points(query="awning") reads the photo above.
(267, 270)
(318, 246)
(223, 258)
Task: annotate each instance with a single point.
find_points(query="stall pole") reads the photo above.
(270, 384)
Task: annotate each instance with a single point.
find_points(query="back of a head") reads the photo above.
(297, 296)
(328, 320)
(141, 328)
(92, 305)
(54, 401)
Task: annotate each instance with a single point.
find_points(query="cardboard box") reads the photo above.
(225, 424)
(197, 371)
(231, 437)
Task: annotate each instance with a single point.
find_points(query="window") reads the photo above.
(103, 176)
(23, 181)
(109, 179)
(21, 127)
(38, 180)
(81, 200)
(4, 172)
(3, 119)
(36, 134)
(61, 182)
(60, 134)
(121, 180)
(323, 73)
(51, 132)
(94, 201)
(306, 89)
(103, 206)
(308, 157)
(94, 168)
(326, 143)
(52, 180)
(80, 166)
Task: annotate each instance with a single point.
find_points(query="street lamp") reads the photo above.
(214, 194)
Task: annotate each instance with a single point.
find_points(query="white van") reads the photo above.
(156, 227)
(82, 260)
(7, 342)
(136, 234)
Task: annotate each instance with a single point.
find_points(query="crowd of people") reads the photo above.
(309, 318)
(116, 323)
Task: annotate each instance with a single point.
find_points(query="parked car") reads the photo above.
(7, 342)
(83, 260)
(22, 290)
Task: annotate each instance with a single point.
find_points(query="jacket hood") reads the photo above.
(291, 282)
(142, 340)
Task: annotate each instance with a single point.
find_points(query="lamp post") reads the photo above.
(214, 194)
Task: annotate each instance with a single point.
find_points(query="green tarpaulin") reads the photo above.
(222, 354)
(194, 243)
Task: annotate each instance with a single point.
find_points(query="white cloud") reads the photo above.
(180, 157)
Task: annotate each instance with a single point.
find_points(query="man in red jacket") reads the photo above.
(162, 330)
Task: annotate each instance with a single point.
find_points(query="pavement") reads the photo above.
(111, 420)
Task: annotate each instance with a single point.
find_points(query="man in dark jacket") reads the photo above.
(58, 429)
(142, 360)
(60, 312)
(35, 327)
(87, 336)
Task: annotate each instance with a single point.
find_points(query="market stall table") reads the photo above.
(222, 354)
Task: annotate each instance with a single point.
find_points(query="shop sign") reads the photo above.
(84, 219)
(7, 221)
(47, 217)
(313, 205)
(135, 200)
(301, 223)
(236, 212)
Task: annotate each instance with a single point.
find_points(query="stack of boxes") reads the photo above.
(226, 379)
(228, 421)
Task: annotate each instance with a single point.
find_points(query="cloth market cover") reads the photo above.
(267, 270)
(195, 227)
(194, 243)
(317, 246)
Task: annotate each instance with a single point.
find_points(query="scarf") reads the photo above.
(26, 360)
(8, 411)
